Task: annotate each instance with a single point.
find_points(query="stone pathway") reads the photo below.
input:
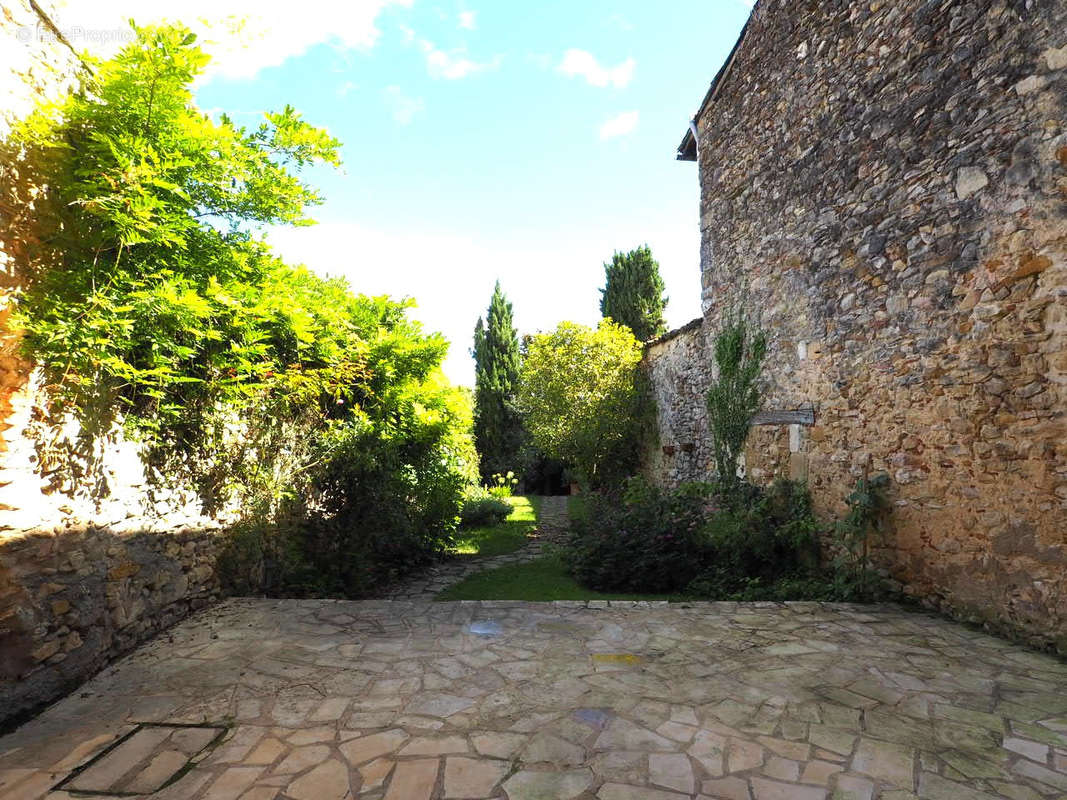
(552, 526)
(388, 700)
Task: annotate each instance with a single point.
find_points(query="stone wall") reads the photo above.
(92, 561)
(679, 369)
(886, 184)
(73, 601)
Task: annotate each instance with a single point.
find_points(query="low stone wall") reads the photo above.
(74, 599)
(679, 369)
(94, 558)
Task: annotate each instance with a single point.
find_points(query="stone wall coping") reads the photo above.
(692, 325)
(15, 538)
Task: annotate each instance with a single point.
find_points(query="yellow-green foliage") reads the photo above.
(583, 397)
(150, 298)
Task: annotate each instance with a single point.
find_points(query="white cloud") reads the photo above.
(453, 64)
(243, 36)
(346, 87)
(404, 108)
(619, 125)
(584, 64)
(466, 20)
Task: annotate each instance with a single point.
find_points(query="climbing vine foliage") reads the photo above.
(735, 395)
(150, 297)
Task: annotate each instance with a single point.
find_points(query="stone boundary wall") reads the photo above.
(73, 601)
(886, 185)
(92, 562)
(679, 370)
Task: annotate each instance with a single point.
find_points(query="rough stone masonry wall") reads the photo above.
(73, 600)
(90, 565)
(886, 182)
(679, 369)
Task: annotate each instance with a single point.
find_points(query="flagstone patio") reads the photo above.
(323, 700)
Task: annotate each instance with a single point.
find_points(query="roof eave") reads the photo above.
(687, 150)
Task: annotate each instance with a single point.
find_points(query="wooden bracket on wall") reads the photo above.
(799, 416)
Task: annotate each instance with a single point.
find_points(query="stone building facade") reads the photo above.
(885, 184)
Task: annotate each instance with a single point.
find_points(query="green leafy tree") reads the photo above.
(735, 395)
(583, 398)
(150, 299)
(633, 293)
(497, 424)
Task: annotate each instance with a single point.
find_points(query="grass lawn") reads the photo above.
(543, 579)
(507, 537)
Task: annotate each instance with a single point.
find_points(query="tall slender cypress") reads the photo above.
(497, 425)
(633, 293)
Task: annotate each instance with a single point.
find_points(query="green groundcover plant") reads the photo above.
(480, 507)
(152, 301)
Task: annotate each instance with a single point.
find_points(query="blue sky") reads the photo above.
(482, 141)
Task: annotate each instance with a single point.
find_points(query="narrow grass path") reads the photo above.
(541, 579)
(506, 537)
(519, 539)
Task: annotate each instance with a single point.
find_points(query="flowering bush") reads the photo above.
(503, 485)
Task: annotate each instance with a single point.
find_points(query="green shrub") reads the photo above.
(264, 555)
(386, 496)
(800, 586)
(868, 505)
(152, 300)
(586, 400)
(699, 538)
(772, 534)
(480, 508)
(735, 395)
(640, 539)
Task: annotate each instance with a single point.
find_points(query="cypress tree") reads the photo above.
(633, 293)
(497, 426)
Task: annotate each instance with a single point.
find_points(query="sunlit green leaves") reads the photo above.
(581, 395)
(163, 307)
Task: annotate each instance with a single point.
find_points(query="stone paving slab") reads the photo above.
(398, 700)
